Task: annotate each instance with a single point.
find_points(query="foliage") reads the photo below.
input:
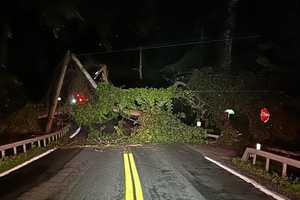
(22, 121)
(157, 123)
(246, 93)
(12, 94)
(217, 91)
(284, 183)
(164, 127)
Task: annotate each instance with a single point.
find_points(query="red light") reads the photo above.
(80, 99)
(264, 115)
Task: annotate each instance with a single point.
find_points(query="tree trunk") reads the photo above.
(229, 27)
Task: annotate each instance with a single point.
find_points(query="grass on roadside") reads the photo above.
(9, 162)
(286, 184)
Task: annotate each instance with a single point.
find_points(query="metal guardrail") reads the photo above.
(45, 139)
(251, 152)
(213, 136)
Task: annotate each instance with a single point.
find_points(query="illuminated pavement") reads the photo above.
(163, 171)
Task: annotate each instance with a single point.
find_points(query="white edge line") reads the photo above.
(248, 180)
(27, 162)
(75, 133)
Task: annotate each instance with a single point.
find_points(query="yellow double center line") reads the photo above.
(133, 188)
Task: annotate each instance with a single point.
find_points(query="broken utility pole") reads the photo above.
(104, 73)
(54, 99)
(83, 70)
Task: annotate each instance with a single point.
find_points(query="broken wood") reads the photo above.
(54, 99)
(83, 70)
(135, 113)
(104, 73)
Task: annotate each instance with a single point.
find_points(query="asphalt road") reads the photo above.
(164, 172)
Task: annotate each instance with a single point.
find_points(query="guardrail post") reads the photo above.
(15, 150)
(284, 169)
(267, 164)
(254, 159)
(24, 148)
(245, 155)
(14, 146)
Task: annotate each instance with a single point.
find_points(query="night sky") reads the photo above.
(36, 34)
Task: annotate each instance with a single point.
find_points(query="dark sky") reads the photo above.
(82, 25)
(36, 34)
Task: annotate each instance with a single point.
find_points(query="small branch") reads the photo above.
(179, 83)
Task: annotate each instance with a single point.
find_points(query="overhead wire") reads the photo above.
(164, 45)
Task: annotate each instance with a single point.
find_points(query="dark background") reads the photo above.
(36, 34)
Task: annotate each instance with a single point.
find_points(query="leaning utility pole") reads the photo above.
(141, 64)
(230, 25)
(53, 103)
(83, 70)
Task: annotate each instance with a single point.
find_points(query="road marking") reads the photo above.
(75, 133)
(27, 162)
(133, 188)
(128, 179)
(137, 183)
(248, 180)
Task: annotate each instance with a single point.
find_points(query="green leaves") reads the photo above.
(157, 123)
(164, 127)
(113, 100)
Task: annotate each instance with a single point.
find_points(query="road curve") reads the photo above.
(163, 172)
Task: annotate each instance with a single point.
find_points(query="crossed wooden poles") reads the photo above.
(53, 102)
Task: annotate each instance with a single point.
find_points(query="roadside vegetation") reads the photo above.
(288, 185)
(10, 162)
(141, 115)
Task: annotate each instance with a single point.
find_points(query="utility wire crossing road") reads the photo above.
(162, 172)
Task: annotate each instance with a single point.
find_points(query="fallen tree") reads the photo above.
(149, 110)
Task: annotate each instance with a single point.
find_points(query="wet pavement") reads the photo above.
(164, 172)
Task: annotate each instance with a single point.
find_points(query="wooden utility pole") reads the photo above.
(230, 25)
(141, 64)
(83, 70)
(54, 99)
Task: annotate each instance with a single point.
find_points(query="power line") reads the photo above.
(158, 46)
